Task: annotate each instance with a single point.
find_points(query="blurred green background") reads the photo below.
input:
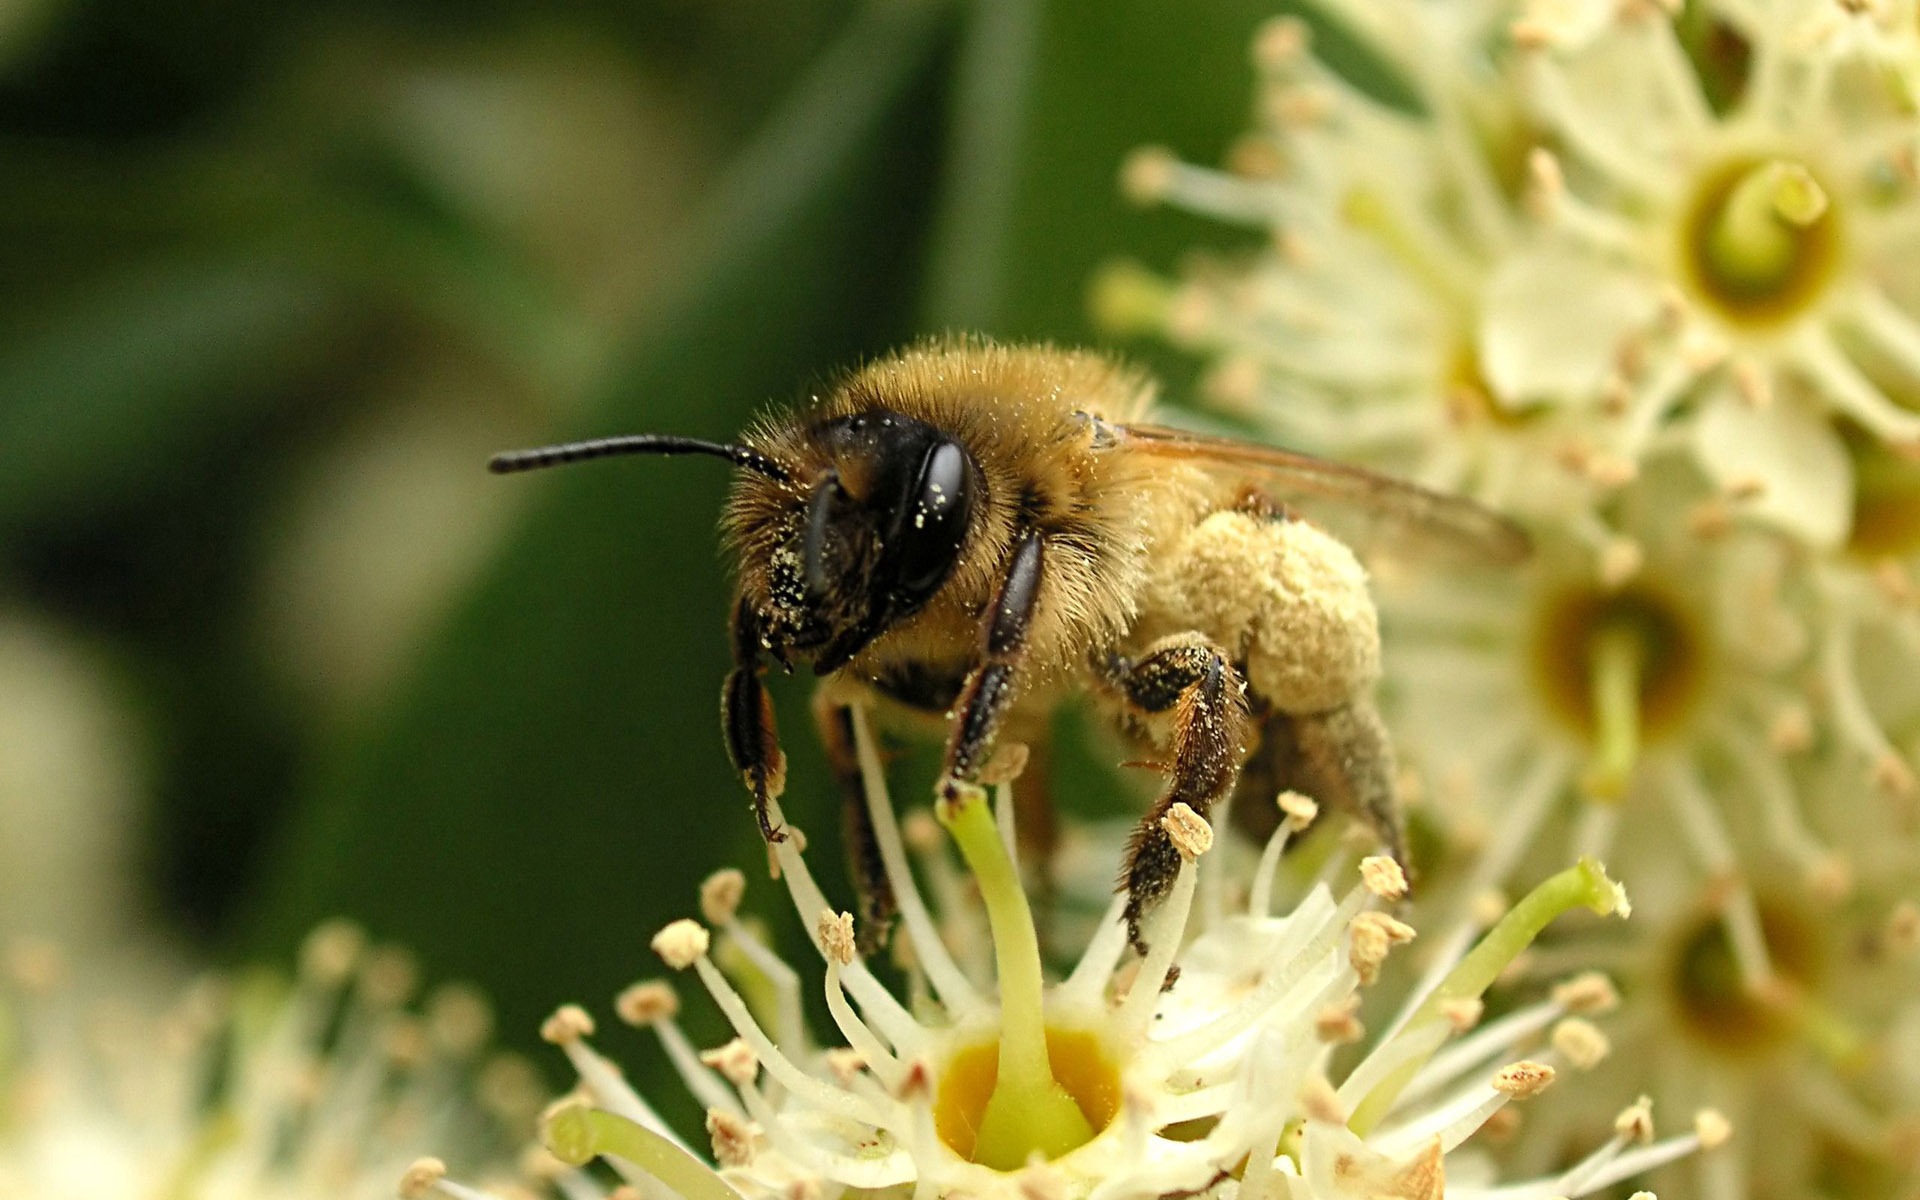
(273, 645)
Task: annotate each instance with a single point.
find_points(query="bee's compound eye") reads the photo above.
(932, 525)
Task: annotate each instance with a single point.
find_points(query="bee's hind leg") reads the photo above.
(878, 906)
(1343, 756)
(1191, 678)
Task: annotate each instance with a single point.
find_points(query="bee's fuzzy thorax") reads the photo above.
(1029, 418)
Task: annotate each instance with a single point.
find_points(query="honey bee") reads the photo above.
(973, 532)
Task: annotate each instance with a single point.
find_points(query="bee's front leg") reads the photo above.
(1191, 677)
(991, 686)
(746, 714)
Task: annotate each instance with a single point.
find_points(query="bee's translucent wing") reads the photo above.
(1410, 509)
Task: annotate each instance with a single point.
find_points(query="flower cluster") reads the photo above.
(1210, 1066)
(1647, 278)
(254, 1088)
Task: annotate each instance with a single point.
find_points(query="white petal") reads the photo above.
(1552, 324)
(1796, 458)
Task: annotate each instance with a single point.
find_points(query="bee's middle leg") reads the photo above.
(878, 906)
(1191, 677)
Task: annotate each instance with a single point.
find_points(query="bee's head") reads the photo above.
(833, 560)
(841, 534)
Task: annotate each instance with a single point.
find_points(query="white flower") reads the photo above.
(1775, 240)
(1647, 279)
(1202, 1068)
(1651, 671)
(1741, 277)
(1808, 1067)
(1357, 330)
(249, 1090)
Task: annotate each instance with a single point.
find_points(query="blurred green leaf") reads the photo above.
(117, 386)
(551, 786)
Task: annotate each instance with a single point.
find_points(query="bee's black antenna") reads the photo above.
(640, 443)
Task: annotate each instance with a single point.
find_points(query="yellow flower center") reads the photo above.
(1010, 1098)
(1470, 397)
(1760, 240)
(1620, 669)
(1715, 1004)
(1886, 499)
(1081, 1067)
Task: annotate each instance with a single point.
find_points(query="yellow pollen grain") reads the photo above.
(1299, 809)
(1635, 1122)
(720, 895)
(1546, 182)
(569, 1023)
(1489, 906)
(1620, 560)
(735, 1061)
(836, 936)
(644, 1003)
(1581, 1043)
(1587, 993)
(1609, 470)
(1523, 1080)
(1711, 1128)
(1147, 174)
(331, 951)
(421, 1178)
(733, 1137)
(1280, 42)
(1009, 761)
(1371, 936)
(682, 943)
(459, 1018)
(1188, 830)
(1383, 877)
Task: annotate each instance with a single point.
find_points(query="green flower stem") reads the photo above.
(577, 1134)
(1618, 663)
(1583, 885)
(1029, 1110)
(1756, 236)
(1832, 1037)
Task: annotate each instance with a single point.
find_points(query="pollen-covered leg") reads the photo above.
(1345, 759)
(877, 902)
(746, 715)
(1191, 678)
